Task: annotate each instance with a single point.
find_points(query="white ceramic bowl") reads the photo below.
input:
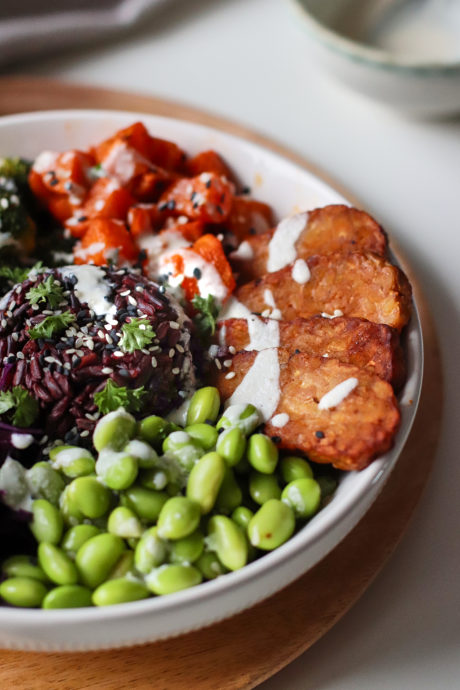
(418, 85)
(287, 187)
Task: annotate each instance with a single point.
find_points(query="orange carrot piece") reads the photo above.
(207, 197)
(105, 240)
(208, 161)
(211, 250)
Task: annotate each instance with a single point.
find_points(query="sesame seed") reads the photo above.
(174, 325)
(171, 353)
(15, 336)
(176, 371)
(218, 364)
(84, 433)
(118, 353)
(132, 301)
(227, 363)
(50, 360)
(35, 307)
(20, 355)
(4, 322)
(154, 362)
(125, 293)
(106, 370)
(79, 353)
(232, 349)
(230, 375)
(179, 348)
(109, 339)
(100, 333)
(90, 344)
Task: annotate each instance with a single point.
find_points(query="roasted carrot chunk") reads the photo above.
(210, 249)
(249, 217)
(207, 197)
(208, 161)
(105, 240)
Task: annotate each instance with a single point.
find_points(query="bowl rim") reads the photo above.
(378, 471)
(366, 54)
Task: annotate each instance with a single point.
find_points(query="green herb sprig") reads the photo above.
(111, 397)
(207, 312)
(20, 404)
(48, 291)
(51, 325)
(137, 333)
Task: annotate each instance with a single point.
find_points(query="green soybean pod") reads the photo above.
(209, 565)
(119, 591)
(56, 564)
(230, 495)
(45, 482)
(205, 480)
(262, 453)
(188, 549)
(114, 430)
(303, 495)
(172, 578)
(293, 467)
(183, 448)
(228, 541)
(76, 537)
(123, 566)
(231, 445)
(245, 417)
(145, 503)
(150, 552)
(154, 430)
(178, 518)
(26, 592)
(263, 487)
(47, 523)
(97, 557)
(242, 516)
(70, 511)
(23, 566)
(124, 523)
(89, 496)
(72, 461)
(118, 471)
(272, 525)
(204, 406)
(156, 479)
(204, 434)
(68, 597)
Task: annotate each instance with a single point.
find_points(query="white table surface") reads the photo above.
(246, 60)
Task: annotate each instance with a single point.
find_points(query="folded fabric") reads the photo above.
(34, 27)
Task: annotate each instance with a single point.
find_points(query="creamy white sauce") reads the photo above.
(262, 335)
(337, 394)
(260, 386)
(273, 313)
(281, 249)
(121, 161)
(244, 251)
(179, 415)
(13, 482)
(280, 420)
(68, 456)
(209, 282)
(300, 272)
(93, 248)
(91, 287)
(21, 441)
(46, 160)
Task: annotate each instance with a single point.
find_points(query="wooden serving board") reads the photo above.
(250, 647)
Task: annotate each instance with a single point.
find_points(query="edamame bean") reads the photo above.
(145, 455)
(303, 496)
(244, 417)
(209, 565)
(89, 496)
(272, 525)
(171, 578)
(23, 566)
(97, 557)
(293, 467)
(72, 461)
(231, 445)
(124, 523)
(183, 448)
(178, 518)
(114, 430)
(230, 494)
(150, 552)
(67, 597)
(23, 591)
(228, 541)
(118, 471)
(204, 406)
(155, 479)
(263, 487)
(70, 511)
(145, 503)
(204, 434)
(205, 480)
(57, 564)
(327, 484)
(45, 482)
(188, 549)
(242, 516)
(262, 453)
(76, 537)
(119, 591)
(124, 565)
(47, 523)
(154, 430)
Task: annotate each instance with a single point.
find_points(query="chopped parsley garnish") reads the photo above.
(51, 325)
(112, 397)
(49, 291)
(137, 333)
(20, 404)
(206, 317)
(17, 274)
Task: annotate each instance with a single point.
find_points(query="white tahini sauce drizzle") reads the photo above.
(273, 312)
(262, 334)
(21, 441)
(281, 249)
(337, 394)
(46, 160)
(244, 251)
(261, 385)
(92, 287)
(279, 420)
(337, 312)
(300, 272)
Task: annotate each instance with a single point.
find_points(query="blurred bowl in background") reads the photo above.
(404, 53)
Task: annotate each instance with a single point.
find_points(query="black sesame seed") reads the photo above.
(222, 197)
(76, 362)
(81, 314)
(163, 206)
(41, 360)
(81, 219)
(171, 205)
(296, 351)
(319, 434)
(11, 359)
(61, 346)
(276, 439)
(197, 273)
(68, 186)
(208, 184)
(192, 196)
(53, 182)
(252, 231)
(246, 190)
(219, 210)
(142, 256)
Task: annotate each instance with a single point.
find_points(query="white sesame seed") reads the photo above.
(218, 364)
(227, 363)
(176, 371)
(100, 333)
(20, 355)
(174, 325)
(179, 348)
(132, 301)
(50, 360)
(118, 353)
(15, 336)
(35, 307)
(171, 353)
(3, 323)
(125, 293)
(67, 365)
(154, 362)
(230, 375)
(84, 433)
(109, 339)
(90, 344)
(47, 312)
(139, 288)
(79, 353)
(142, 326)
(106, 370)
(232, 349)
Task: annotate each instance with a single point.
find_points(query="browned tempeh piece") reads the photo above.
(351, 340)
(360, 428)
(329, 229)
(356, 284)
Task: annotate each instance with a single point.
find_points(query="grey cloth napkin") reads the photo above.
(36, 27)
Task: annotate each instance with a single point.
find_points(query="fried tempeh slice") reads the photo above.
(354, 284)
(327, 229)
(351, 340)
(361, 425)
